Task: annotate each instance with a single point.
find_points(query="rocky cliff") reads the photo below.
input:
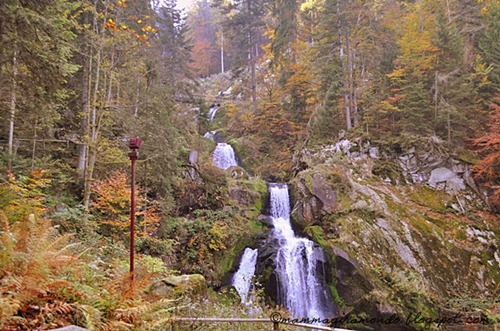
(406, 234)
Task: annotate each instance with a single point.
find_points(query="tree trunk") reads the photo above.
(253, 59)
(137, 95)
(222, 51)
(13, 104)
(348, 119)
(93, 134)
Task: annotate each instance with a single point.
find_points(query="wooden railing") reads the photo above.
(276, 324)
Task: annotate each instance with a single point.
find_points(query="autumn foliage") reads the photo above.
(111, 201)
(49, 279)
(488, 169)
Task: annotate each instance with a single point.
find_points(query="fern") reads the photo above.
(88, 317)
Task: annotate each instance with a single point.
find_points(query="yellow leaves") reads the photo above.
(111, 200)
(387, 107)
(23, 195)
(488, 5)
(130, 26)
(218, 234)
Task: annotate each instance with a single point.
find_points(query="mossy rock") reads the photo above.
(467, 156)
(317, 235)
(194, 284)
(427, 197)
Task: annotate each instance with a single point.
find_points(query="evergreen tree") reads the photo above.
(243, 26)
(36, 52)
(489, 43)
(451, 89)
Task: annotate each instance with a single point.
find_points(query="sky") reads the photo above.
(184, 4)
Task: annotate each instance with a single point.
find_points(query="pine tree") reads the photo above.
(451, 88)
(243, 26)
(36, 52)
(413, 74)
(489, 43)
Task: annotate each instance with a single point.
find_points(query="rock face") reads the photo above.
(314, 196)
(397, 249)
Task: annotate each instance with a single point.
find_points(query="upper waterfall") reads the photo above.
(211, 113)
(223, 156)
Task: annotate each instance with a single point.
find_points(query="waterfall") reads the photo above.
(299, 264)
(242, 279)
(210, 135)
(211, 113)
(224, 156)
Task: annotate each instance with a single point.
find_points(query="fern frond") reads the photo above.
(146, 311)
(8, 308)
(89, 317)
(115, 326)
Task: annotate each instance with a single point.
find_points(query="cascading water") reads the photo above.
(210, 135)
(223, 156)
(299, 264)
(211, 113)
(242, 279)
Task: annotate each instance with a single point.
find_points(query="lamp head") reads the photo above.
(134, 143)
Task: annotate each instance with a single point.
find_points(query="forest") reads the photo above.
(79, 78)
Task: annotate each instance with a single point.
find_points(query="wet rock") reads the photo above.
(265, 220)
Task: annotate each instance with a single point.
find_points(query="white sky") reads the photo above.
(184, 4)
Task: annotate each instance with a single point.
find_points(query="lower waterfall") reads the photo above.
(242, 279)
(299, 264)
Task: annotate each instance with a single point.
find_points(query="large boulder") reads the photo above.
(194, 284)
(445, 177)
(313, 195)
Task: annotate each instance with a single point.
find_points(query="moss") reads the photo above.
(226, 262)
(460, 234)
(427, 197)
(424, 226)
(335, 295)
(317, 235)
(255, 191)
(467, 156)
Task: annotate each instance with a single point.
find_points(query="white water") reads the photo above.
(300, 288)
(210, 135)
(224, 156)
(211, 113)
(242, 279)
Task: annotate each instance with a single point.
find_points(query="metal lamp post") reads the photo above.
(134, 144)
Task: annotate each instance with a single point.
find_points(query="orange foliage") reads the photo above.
(111, 200)
(488, 169)
(202, 57)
